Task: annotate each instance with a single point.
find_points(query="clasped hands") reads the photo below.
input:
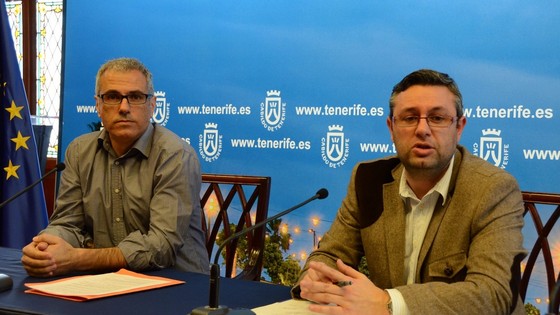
(47, 255)
(360, 297)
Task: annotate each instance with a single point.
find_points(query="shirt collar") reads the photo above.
(441, 187)
(142, 145)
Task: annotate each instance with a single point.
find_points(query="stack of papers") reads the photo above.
(84, 288)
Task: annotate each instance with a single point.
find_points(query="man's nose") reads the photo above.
(423, 127)
(124, 106)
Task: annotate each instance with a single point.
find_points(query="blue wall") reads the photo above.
(224, 57)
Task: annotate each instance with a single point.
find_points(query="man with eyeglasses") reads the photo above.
(129, 195)
(440, 228)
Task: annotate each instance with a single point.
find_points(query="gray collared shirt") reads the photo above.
(146, 202)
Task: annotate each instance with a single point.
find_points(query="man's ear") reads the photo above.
(390, 126)
(97, 105)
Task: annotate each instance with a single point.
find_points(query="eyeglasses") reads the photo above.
(132, 98)
(436, 121)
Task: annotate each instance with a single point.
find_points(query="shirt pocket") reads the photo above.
(448, 269)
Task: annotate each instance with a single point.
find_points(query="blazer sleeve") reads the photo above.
(342, 240)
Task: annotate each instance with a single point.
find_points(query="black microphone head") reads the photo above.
(60, 166)
(322, 193)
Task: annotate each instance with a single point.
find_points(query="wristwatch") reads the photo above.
(389, 304)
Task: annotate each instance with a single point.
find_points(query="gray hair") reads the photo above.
(125, 65)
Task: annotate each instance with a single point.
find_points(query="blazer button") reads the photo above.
(448, 271)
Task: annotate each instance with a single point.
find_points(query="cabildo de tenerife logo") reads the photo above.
(210, 143)
(161, 112)
(492, 148)
(273, 111)
(335, 147)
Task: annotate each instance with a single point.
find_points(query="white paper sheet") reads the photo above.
(292, 307)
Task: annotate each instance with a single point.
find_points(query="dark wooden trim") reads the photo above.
(29, 16)
(49, 186)
(231, 186)
(542, 198)
(544, 219)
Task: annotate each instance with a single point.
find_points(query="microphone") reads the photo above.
(57, 168)
(213, 308)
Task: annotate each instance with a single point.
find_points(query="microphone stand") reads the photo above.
(214, 307)
(58, 167)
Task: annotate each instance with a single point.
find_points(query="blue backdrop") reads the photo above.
(299, 90)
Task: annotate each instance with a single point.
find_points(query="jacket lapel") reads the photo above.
(437, 216)
(394, 225)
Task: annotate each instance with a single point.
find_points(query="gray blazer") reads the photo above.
(469, 262)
